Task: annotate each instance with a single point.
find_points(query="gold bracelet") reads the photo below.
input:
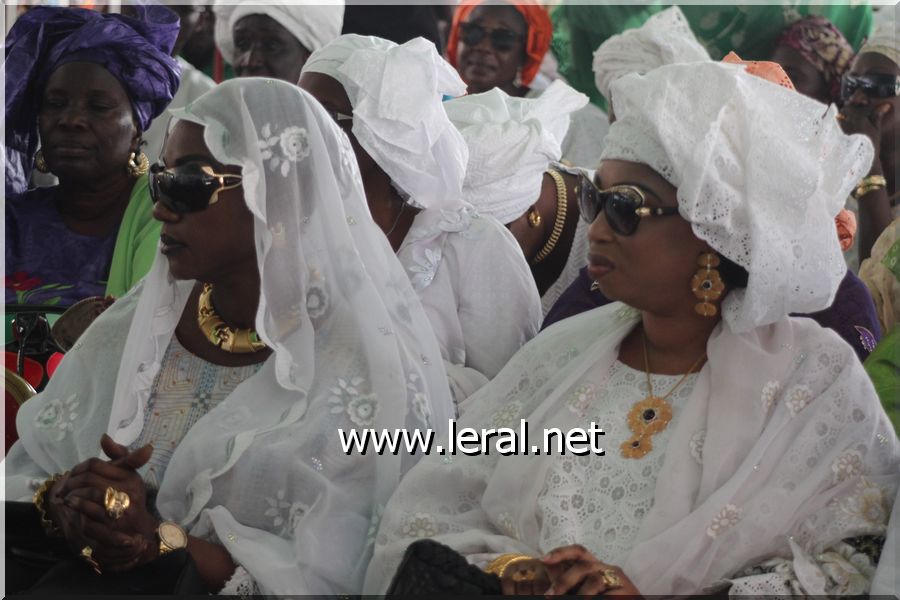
(49, 526)
(869, 184)
(499, 565)
(562, 205)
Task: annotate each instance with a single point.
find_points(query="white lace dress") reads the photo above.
(599, 502)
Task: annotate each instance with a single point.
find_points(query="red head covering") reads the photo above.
(540, 32)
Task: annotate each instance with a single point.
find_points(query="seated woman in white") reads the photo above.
(743, 446)
(466, 267)
(274, 315)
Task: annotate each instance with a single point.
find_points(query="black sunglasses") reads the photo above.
(622, 204)
(189, 188)
(875, 85)
(501, 39)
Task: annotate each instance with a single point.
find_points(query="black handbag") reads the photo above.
(430, 568)
(39, 565)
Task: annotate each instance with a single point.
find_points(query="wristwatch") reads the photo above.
(172, 536)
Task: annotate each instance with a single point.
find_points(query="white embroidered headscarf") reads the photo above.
(884, 39)
(761, 172)
(263, 473)
(665, 38)
(314, 24)
(396, 93)
(511, 142)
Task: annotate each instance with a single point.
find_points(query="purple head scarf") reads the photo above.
(136, 51)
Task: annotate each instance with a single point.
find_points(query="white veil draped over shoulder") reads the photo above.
(263, 473)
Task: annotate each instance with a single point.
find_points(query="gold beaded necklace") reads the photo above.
(236, 341)
(652, 414)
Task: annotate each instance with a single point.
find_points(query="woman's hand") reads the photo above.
(574, 570)
(862, 117)
(118, 544)
(525, 578)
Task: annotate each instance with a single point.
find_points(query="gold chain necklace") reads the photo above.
(652, 414)
(236, 341)
(562, 204)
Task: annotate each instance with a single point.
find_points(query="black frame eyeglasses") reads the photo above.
(189, 188)
(624, 205)
(502, 39)
(874, 85)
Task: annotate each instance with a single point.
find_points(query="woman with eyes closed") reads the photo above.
(83, 86)
(201, 412)
(502, 45)
(745, 450)
(262, 40)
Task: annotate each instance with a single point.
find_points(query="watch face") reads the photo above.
(172, 535)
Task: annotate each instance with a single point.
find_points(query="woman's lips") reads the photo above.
(598, 266)
(170, 245)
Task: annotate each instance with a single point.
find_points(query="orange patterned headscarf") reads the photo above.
(540, 32)
(770, 71)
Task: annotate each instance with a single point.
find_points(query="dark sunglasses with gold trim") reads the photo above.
(624, 205)
(189, 188)
(502, 39)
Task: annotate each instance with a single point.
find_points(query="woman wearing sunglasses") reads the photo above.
(740, 443)
(502, 45)
(275, 315)
(870, 91)
(81, 88)
(466, 267)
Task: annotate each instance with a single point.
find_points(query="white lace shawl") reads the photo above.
(798, 455)
(263, 472)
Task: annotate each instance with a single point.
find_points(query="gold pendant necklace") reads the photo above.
(651, 415)
(236, 341)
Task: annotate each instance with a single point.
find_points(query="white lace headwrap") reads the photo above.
(665, 38)
(396, 93)
(511, 142)
(884, 39)
(263, 473)
(761, 172)
(314, 24)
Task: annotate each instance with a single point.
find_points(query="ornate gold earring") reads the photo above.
(138, 164)
(707, 284)
(39, 163)
(534, 217)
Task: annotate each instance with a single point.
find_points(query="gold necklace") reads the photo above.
(236, 341)
(562, 204)
(651, 415)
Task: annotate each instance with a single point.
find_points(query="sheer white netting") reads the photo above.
(263, 472)
(761, 172)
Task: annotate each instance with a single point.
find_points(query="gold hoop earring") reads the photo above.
(707, 284)
(39, 163)
(534, 217)
(138, 164)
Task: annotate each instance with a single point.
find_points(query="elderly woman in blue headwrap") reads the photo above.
(82, 86)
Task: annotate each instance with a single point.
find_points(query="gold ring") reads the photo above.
(87, 553)
(115, 502)
(841, 117)
(611, 579)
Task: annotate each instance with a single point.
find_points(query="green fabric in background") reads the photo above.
(136, 242)
(883, 366)
(749, 30)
